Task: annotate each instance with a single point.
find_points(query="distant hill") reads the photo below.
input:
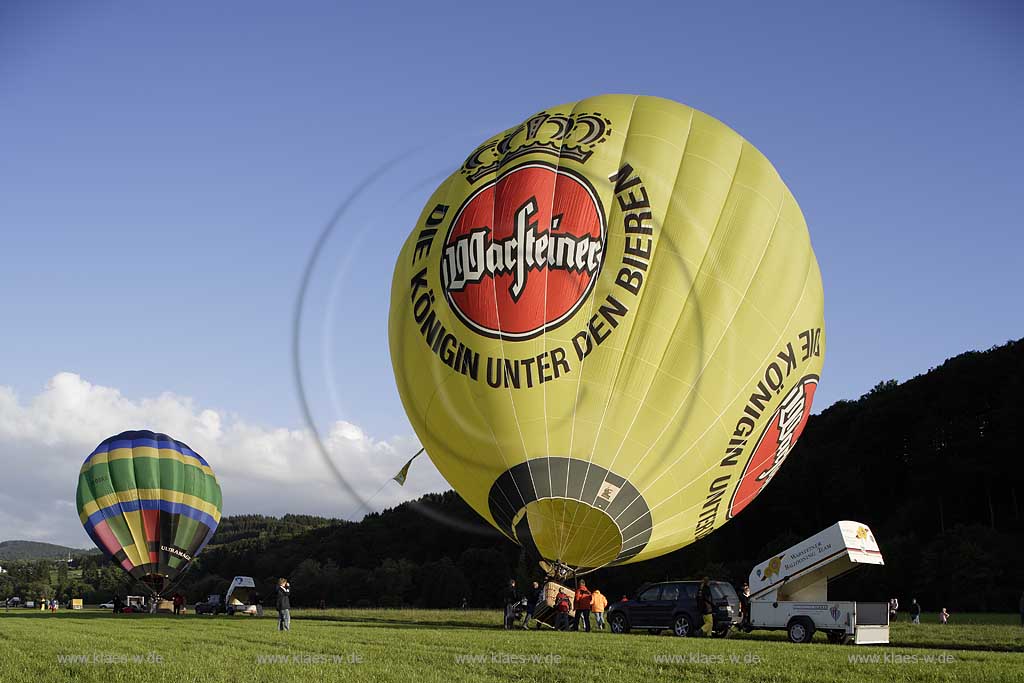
(236, 528)
(34, 550)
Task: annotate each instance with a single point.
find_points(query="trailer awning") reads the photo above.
(827, 554)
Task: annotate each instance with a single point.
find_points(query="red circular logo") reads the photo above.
(777, 440)
(523, 252)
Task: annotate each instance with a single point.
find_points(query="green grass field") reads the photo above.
(454, 646)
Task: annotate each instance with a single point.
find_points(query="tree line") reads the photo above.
(933, 465)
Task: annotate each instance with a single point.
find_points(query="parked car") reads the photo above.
(107, 605)
(212, 605)
(673, 605)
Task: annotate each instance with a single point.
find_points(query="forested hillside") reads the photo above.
(35, 550)
(933, 465)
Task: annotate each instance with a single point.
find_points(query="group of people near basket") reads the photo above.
(582, 604)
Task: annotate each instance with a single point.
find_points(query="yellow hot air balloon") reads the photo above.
(607, 328)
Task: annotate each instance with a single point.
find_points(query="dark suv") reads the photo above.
(212, 605)
(673, 605)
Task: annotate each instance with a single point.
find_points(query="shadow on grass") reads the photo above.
(270, 615)
(69, 615)
(916, 645)
(399, 622)
(456, 621)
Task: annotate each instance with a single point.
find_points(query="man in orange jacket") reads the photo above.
(598, 604)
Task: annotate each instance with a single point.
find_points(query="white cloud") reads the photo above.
(261, 469)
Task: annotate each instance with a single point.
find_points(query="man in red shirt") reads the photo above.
(582, 604)
(562, 611)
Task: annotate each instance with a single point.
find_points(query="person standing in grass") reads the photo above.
(598, 604)
(915, 611)
(706, 606)
(284, 605)
(179, 603)
(582, 604)
(745, 604)
(533, 597)
(510, 598)
(894, 606)
(562, 611)
(944, 616)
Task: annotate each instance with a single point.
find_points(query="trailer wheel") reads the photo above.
(801, 630)
(619, 623)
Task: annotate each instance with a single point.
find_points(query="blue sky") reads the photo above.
(166, 170)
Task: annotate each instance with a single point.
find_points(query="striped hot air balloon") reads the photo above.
(150, 503)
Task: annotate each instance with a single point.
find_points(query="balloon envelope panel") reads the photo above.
(150, 503)
(607, 328)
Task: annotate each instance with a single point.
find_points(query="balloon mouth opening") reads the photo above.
(156, 583)
(571, 512)
(568, 532)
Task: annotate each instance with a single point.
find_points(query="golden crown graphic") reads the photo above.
(566, 136)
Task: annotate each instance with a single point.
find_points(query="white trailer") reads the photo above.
(240, 598)
(790, 590)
